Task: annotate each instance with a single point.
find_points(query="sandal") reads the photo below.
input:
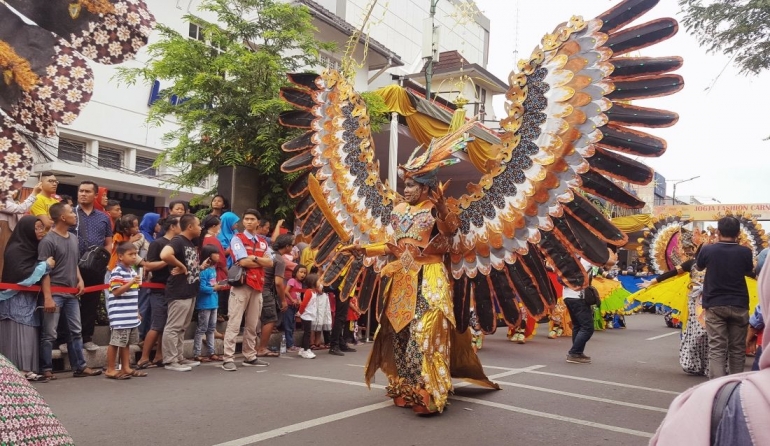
(118, 376)
(269, 354)
(136, 374)
(216, 358)
(34, 377)
(201, 359)
(146, 365)
(86, 372)
(49, 376)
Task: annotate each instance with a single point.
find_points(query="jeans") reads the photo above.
(207, 324)
(68, 305)
(289, 324)
(145, 310)
(340, 319)
(582, 324)
(726, 328)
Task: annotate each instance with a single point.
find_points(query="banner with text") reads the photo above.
(710, 212)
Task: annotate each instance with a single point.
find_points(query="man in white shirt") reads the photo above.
(582, 315)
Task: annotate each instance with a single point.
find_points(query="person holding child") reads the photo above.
(207, 304)
(123, 312)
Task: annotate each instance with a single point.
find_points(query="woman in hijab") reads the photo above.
(211, 226)
(101, 199)
(149, 227)
(229, 222)
(19, 320)
(744, 413)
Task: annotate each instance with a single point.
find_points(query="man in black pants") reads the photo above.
(726, 298)
(338, 343)
(93, 228)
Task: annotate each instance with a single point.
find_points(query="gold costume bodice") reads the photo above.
(412, 225)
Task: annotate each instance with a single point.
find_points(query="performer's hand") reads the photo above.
(644, 284)
(439, 200)
(356, 249)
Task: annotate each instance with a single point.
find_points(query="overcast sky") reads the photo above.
(723, 118)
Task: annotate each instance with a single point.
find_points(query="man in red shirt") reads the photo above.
(249, 251)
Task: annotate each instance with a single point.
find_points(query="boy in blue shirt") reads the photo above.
(123, 312)
(207, 305)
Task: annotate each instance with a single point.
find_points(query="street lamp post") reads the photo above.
(673, 195)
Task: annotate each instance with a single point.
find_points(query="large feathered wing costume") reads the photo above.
(46, 79)
(567, 133)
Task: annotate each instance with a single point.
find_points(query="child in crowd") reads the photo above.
(126, 230)
(294, 300)
(123, 312)
(350, 332)
(207, 305)
(310, 311)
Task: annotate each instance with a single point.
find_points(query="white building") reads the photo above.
(112, 144)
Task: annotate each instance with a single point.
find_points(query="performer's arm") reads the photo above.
(684, 267)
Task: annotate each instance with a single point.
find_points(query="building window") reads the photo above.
(70, 150)
(196, 32)
(327, 61)
(110, 158)
(144, 166)
(481, 99)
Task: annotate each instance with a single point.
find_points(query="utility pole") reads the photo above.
(433, 52)
(673, 197)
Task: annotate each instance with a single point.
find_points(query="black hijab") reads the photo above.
(21, 251)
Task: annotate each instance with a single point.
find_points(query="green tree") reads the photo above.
(740, 28)
(229, 85)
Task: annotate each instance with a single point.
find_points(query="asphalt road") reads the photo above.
(620, 398)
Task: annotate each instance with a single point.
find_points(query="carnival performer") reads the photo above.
(693, 347)
(417, 333)
(424, 258)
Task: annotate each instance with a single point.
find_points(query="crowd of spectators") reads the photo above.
(155, 275)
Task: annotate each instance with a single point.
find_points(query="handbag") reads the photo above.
(236, 276)
(95, 259)
(590, 294)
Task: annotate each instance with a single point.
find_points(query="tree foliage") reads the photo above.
(740, 28)
(228, 85)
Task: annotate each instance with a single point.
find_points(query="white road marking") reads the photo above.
(663, 335)
(598, 381)
(553, 416)
(476, 401)
(305, 425)
(585, 397)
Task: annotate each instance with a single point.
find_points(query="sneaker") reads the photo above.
(336, 352)
(189, 363)
(229, 366)
(177, 367)
(347, 349)
(293, 349)
(256, 362)
(584, 356)
(307, 354)
(90, 346)
(63, 349)
(578, 359)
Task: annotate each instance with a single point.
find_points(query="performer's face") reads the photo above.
(413, 191)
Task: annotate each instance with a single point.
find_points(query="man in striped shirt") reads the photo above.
(123, 312)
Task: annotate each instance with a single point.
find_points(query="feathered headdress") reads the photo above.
(423, 167)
